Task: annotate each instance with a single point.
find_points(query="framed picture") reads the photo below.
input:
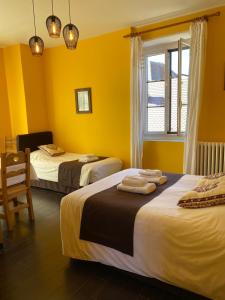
(83, 101)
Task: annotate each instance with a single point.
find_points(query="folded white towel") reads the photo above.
(134, 181)
(147, 189)
(158, 180)
(88, 155)
(149, 172)
(87, 159)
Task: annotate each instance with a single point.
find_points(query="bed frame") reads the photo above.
(32, 141)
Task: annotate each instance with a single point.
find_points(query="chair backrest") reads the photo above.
(15, 164)
(10, 144)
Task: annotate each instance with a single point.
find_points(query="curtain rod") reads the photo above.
(204, 17)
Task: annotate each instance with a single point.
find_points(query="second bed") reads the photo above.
(75, 175)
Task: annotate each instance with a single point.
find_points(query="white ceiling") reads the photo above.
(92, 17)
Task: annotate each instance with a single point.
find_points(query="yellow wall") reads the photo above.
(166, 156)
(5, 127)
(15, 88)
(24, 90)
(212, 118)
(101, 63)
(33, 80)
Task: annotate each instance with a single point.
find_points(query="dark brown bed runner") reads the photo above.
(108, 217)
(69, 172)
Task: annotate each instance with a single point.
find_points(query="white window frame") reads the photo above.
(155, 50)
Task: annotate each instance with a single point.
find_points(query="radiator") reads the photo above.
(210, 158)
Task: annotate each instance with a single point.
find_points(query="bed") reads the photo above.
(182, 247)
(48, 168)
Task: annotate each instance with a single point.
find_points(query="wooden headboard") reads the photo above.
(33, 140)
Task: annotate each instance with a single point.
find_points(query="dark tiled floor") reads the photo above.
(32, 266)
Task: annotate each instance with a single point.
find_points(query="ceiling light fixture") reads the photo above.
(53, 25)
(35, 42)
(70, 33)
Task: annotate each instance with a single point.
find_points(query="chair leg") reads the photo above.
(30, 208)
(8, 219)
(1, 237)
(15, 203)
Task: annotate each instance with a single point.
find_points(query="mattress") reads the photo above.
(46, 167)
(183, 247)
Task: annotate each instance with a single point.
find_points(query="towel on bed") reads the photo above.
(134, 181)
(147, 189)
(158, 180)
(88, 158)
(149, 172)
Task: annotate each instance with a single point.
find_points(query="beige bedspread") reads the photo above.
(180, 246)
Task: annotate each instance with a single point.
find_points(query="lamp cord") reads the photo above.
(35, 30)
(69, 11)
(52, 8)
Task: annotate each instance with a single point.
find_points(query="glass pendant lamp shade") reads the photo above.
(36, 45)
(35, 42)
(71, 35)
(53, 25)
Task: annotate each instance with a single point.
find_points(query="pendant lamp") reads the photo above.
(35, 42)
(53, 25)
(70, 33)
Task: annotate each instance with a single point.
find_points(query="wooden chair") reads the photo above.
(13, 167)
(1, 237)
(10, 144)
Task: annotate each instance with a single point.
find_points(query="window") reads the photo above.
(166, 90)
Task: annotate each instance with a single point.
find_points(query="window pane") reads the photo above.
(174, 63)
(162, 112)
(173, 90)
(156, 67)
(173, 105)
(184, 87)
(174, 87)
(156, 119)
(185, 75)
(185, 61)
(156, 93)
(183, 118)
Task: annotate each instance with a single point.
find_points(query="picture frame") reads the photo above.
(83, 100)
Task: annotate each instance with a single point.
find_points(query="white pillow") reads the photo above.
(51, 150)
(204, 195)
(217, 177)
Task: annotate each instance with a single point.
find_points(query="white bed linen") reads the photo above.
(180, 246)
(19, 178)
(47, 167)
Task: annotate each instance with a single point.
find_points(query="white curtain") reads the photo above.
(136, 95)
(197, 64)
